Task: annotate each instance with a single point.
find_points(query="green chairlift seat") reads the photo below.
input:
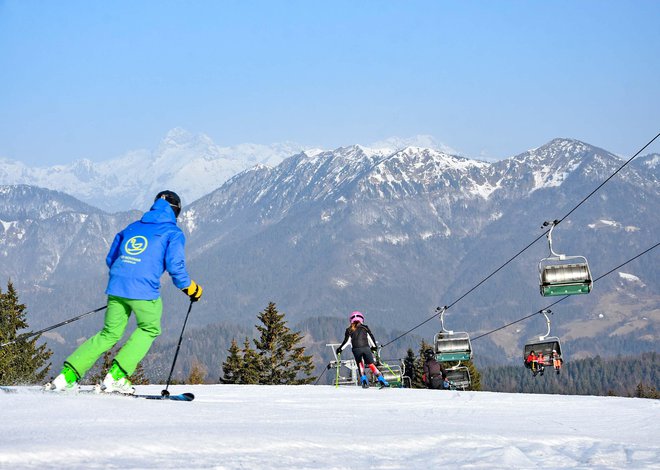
(563, 275)
(451, 346)
(458, 377)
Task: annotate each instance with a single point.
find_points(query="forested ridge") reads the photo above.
(620, 376)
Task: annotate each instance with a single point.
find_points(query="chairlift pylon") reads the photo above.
(560, 274)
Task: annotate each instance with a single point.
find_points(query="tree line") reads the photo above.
(630, 376)
(276, 356)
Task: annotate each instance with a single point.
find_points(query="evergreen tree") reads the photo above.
(139, 377)
(22, 362)
(282, 359)
(409, 366)
(197, 373)
(251, 369)
(232, 366)
(475, 376)
(419, 365)
(620, 376)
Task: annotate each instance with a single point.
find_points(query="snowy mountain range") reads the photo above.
(191, 164)
(391, 233)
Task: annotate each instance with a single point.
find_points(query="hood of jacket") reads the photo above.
(160, 213)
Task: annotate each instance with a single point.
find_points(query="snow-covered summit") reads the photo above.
(394, 144)
(191, 164)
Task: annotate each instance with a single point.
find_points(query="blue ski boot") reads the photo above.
(383, 382)
(364, 381)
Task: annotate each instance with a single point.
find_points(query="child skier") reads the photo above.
(362, 345)
(137, 258)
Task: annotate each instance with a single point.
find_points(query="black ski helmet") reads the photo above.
(428, 354)
(171, 197)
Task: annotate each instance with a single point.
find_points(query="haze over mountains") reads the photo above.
(393, 233)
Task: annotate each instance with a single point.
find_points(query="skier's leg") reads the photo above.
(378, 375)
(116, 319)
(147, 314)
(364, 381)
(374, 369)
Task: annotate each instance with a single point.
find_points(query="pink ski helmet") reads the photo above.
(356, 317)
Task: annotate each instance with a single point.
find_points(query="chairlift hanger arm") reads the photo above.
(442, 311)
(547, 321)
(552, 225)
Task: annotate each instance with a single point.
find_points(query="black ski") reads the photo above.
(178, 397)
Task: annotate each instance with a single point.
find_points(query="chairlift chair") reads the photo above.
(561, 274)
(392, 370)
(458, 377)
(348, 368)
(544, 344)
(451, 346)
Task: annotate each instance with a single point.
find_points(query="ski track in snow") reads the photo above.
(311, 427)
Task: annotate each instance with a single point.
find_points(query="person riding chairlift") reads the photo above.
(434, 376)
(557, 361)
(532, 362)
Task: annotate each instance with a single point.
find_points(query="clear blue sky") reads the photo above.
(81, 79)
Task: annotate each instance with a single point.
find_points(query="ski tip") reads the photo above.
(180, 397)
(177, 397)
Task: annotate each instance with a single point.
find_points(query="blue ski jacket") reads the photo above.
(141, 253)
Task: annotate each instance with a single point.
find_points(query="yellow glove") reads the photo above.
(194, 291)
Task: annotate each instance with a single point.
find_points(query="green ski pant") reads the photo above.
(147, 315)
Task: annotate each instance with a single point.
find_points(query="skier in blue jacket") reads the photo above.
(137, 258)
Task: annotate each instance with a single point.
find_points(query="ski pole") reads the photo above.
(165, 393)
(70, 320)
(338, 366)
(392, 372)
(327, 367)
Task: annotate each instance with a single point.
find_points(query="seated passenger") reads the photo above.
(531, 362)
(435, 376)
(557, 361)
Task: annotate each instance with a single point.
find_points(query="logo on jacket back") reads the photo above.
(136, 245)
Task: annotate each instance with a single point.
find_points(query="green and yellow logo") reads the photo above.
(136, 245)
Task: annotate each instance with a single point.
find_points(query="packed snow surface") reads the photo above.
(313, 427)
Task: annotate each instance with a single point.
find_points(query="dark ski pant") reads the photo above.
(365, 354)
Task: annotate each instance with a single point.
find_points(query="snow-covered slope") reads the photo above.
(322, 427)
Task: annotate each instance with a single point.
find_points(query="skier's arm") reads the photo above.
(370, 338)
(113, 253)
(344, 343)
(175, 261)
(443, 372)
